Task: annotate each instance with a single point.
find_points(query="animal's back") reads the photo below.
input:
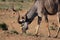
(51, 6)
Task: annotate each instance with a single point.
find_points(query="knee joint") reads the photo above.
(39, 19)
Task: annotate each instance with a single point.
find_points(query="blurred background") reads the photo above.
(16, 4)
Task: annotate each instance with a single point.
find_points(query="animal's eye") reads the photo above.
(22, 17)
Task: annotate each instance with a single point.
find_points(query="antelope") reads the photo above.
(40, 8)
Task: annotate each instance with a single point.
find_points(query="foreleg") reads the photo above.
(39, 21)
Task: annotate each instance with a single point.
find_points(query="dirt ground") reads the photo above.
(9, 17)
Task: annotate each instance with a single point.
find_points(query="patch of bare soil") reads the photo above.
(14, 31)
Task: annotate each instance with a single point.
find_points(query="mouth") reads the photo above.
(22, 24)
(21, 21)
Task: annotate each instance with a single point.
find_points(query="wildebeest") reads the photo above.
(40, 8)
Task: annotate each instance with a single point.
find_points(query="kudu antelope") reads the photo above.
(40, 8)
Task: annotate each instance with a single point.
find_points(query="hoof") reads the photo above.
(36, 35)
(55, 36)
(24, 29)
(23, 33)
(49, 36)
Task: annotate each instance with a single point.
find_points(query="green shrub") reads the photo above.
(14, 32)
(53, 27)
(3, 26)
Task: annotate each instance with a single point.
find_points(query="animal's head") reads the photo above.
(23, 24)
(21, 20)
